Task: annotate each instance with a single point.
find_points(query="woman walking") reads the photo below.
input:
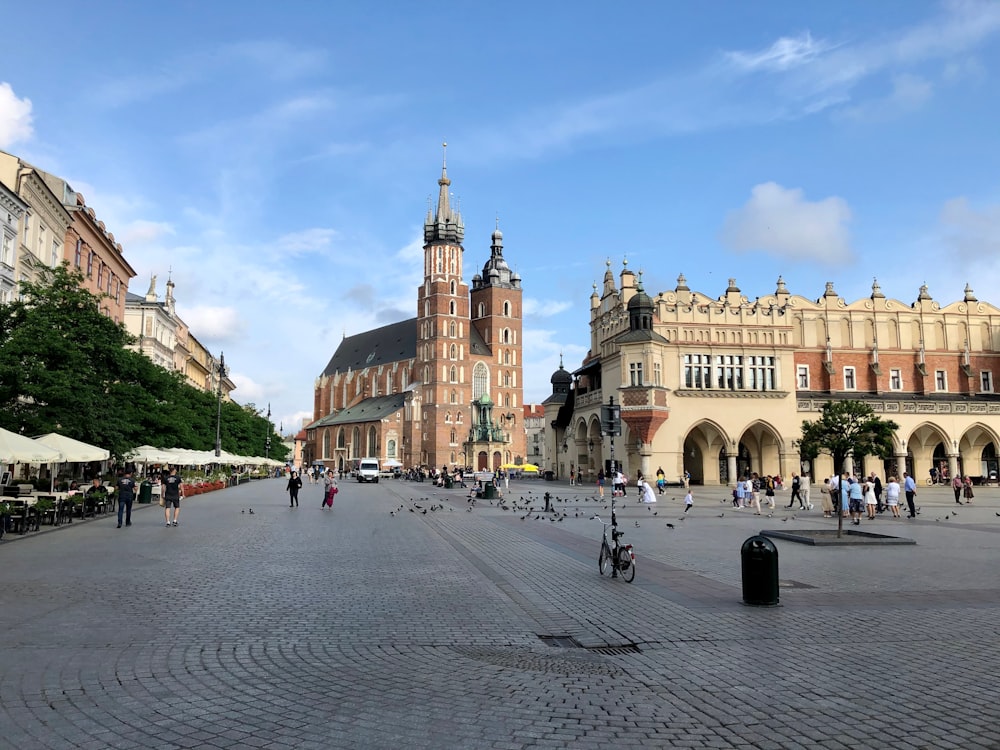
(294, 485)
(892, 496)
(967, 490)
(871, 502)
(329, 490)
(600, 482)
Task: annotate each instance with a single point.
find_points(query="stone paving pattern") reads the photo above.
(357, 628)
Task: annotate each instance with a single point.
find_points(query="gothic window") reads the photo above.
(356, 442)
(452, 436)
(481, 310)
(506, 309)
(451, 307)
(506, 399)
(453, 352)
(326, 443)
(452, 287)
(506, 380)
(427, 374)
(427, 308)
(440, 265)
(447, 417)
(451, 329)
(341, 438)
(506, 336)
(454, 267)
(453, 375)
(506, 356)
(390, 448)
(480, 380)
(460, 419)
(454, 397)
(372, 442)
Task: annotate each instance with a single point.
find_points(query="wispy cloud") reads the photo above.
(909, 93)
(781, 222)
(974, 233)
(536, 308)
(214, 324)
(15, 117)
(784, 54)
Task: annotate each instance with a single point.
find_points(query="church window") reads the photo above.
(372, 442)
(506, 309)
(506, 356)
(506, 399)
(460, 419)
(453, 265)
(481, 310)
(439, 263)
(480, 380)
(451, 307)
(506, 335)
(447, 417)
(356, 442)
(452, 439)
(427, 308)
(427, 374)
(506, 380)
(326, 444)
(453, 375)
(452, 288)
(454, 397)
(453, 352)
(341, 438)
(451, 329)
(390, 448)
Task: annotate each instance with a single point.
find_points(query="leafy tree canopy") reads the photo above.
(847, 428)
(64, 368)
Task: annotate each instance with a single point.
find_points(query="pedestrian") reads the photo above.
(739, 495)
(831, 496)
(956, 486)
(804, 490)
(648, 496)
(910, 488)
(172, 495)
(600, 483)
(796, 490)
(688, 501)
(871, 503)
(661, 480)
(892, 496)
(687, 479)
(877, 484)
(769, 491)
(329, 490)
(752, 496)
(125, 489)
(967, 491)
(618, 485)
(572, 475)
(294, 485)
(855, 499)
(845, 494)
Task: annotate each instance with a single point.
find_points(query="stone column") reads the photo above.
(731, 468)
(901, 467)
(952, 465)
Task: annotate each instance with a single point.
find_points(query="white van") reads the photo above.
(368, 470)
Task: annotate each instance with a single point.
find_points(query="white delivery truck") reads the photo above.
(368, 470)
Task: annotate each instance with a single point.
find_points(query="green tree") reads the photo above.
(846, 428)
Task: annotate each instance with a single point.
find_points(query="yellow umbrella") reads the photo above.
(528, 467)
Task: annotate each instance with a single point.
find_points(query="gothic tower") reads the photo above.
(442, 331)
(496, 316)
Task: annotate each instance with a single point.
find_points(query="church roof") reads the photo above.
(369, 410)
(391, 343)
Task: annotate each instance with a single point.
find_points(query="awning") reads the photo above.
(73, 450)
(16, 448)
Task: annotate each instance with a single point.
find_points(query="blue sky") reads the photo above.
(277, 159)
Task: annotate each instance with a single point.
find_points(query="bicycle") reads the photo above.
(617, 557)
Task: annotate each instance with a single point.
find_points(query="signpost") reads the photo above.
(611, 425)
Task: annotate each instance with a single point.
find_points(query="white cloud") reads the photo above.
(15, 117)
(785, 53)
(973, 233)
(216, 324)
(781, 222)
(909, 93)
(536, 308)
(144, 232)
(247, 390)
(305, 241)
(542, 354)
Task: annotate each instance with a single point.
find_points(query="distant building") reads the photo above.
(534, 434)
(12, 211)
(443, 389)
(720, 386)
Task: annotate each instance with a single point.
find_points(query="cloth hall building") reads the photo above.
(442, 389)
(720, 386)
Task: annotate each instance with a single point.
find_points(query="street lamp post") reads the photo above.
(267, 441)
(218, 413)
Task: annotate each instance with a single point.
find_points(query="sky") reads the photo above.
(276, 160)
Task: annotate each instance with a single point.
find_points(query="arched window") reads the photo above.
(427, 308)
(481, 310)
(326, 444)
(453, 374)
(451, 329)
(506, 336)
(390, 448)
(454, 397)
(452, 438)
(451, 307)
(356, 442)
(452, 288)
(480, 380)
(372, 442)
(453, 352)
(341, 438)
(506, 380)
(453, 457)
(447, 417)
(440, 265)
(460, 419)
(506, 399)
(506, 356)
(506, 309)
(427, 374)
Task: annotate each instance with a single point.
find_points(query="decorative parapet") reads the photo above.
(886, 406)
(709, 393)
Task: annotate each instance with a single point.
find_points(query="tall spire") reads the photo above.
(445, 225)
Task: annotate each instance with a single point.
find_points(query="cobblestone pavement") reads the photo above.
(492, 628)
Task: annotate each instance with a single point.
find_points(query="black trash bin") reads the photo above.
(489, 491)
(146, 492)
(759, 558)
(448, 482)
(550, 476)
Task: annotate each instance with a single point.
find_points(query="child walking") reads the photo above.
(688, 501)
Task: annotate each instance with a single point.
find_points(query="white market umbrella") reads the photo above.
(150, 455)
(73, 451)
(18, 449)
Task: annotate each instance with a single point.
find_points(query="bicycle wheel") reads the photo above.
(626, 565)
(604, 561)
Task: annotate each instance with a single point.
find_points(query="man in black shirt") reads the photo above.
(126, 494)
(172, 496)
